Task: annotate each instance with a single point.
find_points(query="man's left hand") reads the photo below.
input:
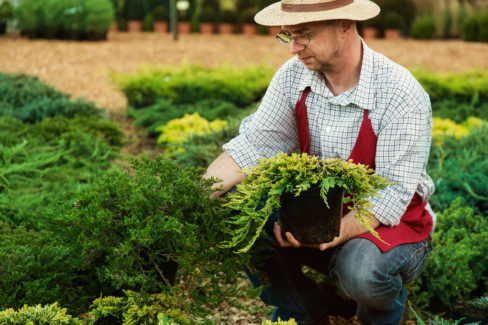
(290, 240)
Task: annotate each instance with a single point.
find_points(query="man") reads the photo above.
(338, 98)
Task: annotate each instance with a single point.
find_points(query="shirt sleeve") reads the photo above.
(270, 130)
(402, 153)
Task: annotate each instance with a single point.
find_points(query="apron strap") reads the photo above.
(302, 122)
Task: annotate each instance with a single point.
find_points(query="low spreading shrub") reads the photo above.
(137, 230)
(45, 162)
(136, 308)
(443, 127)
(49, 314)
(458, 266)
(37, 268)
(177, 131)
(160, 113)
(72, 19)
(459, 168)
(190, 84)
(474, 27)
(457, 96)
(29, 100)
(201, 149)
(423, 27)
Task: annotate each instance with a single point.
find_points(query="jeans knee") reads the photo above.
(365, 279)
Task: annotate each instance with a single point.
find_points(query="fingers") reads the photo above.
(279, 238)
(290, 240)
(285, 242)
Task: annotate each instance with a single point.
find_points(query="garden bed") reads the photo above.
(80, 69)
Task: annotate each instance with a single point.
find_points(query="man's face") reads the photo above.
(324, 47)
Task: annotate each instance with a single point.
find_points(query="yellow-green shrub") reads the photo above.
(31, 315)
(280, 322)
(137, 308)
(176, 131)
(443, 127)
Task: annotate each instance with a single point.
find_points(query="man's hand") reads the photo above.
(350, 228)
(290, 241)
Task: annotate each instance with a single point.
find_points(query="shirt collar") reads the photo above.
(362, 96)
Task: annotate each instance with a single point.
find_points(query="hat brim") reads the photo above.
(357, 10)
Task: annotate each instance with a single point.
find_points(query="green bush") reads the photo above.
(28, 99)
(228, 16)
(148, 23)
(457, 96)
(458, 266)
(164, 111)
(190, 84)
(460, 169)
(423, 27)
(44, 163)
(134, 10)
(137, 308)
(483, 31)
(207, 15)
(36, 268)
(393, 20)
(201, 150)
(471, 28)
(99, 16)
(64, 19)
(135, 229)
(6, 10)
(404, 8)
(49, 314)
(247, 15)
(160, 13)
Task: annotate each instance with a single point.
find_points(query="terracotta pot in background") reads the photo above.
(392, 33)
(369, 32)
(226, 28)
(184, 27)
(273, 30)
(160, 26)
(206, 28)
(134, 26)
(114, 27)
(249, 29)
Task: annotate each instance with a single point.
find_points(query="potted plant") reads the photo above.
(6, 12)
(288, 177)
(99, 17)
(393, 24)
(227, 21)
(370, 28)
(161, 17)
(185, 12)
(207, 18)
(249, 27)
(135, 15)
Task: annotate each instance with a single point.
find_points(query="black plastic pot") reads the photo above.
(308, 218)
(3, 28)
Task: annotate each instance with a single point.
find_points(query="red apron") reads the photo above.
(415, 224)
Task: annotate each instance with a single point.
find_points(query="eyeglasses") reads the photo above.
(285, 37)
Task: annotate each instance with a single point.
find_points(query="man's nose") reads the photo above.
(295, 47)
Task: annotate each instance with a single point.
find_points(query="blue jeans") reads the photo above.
(358, 268)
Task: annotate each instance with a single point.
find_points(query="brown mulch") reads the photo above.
(81, 69)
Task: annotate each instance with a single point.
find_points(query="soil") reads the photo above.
(82, 69)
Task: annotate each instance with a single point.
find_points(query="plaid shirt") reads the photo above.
(400, 114)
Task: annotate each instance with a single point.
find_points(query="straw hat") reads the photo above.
(294, 12)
